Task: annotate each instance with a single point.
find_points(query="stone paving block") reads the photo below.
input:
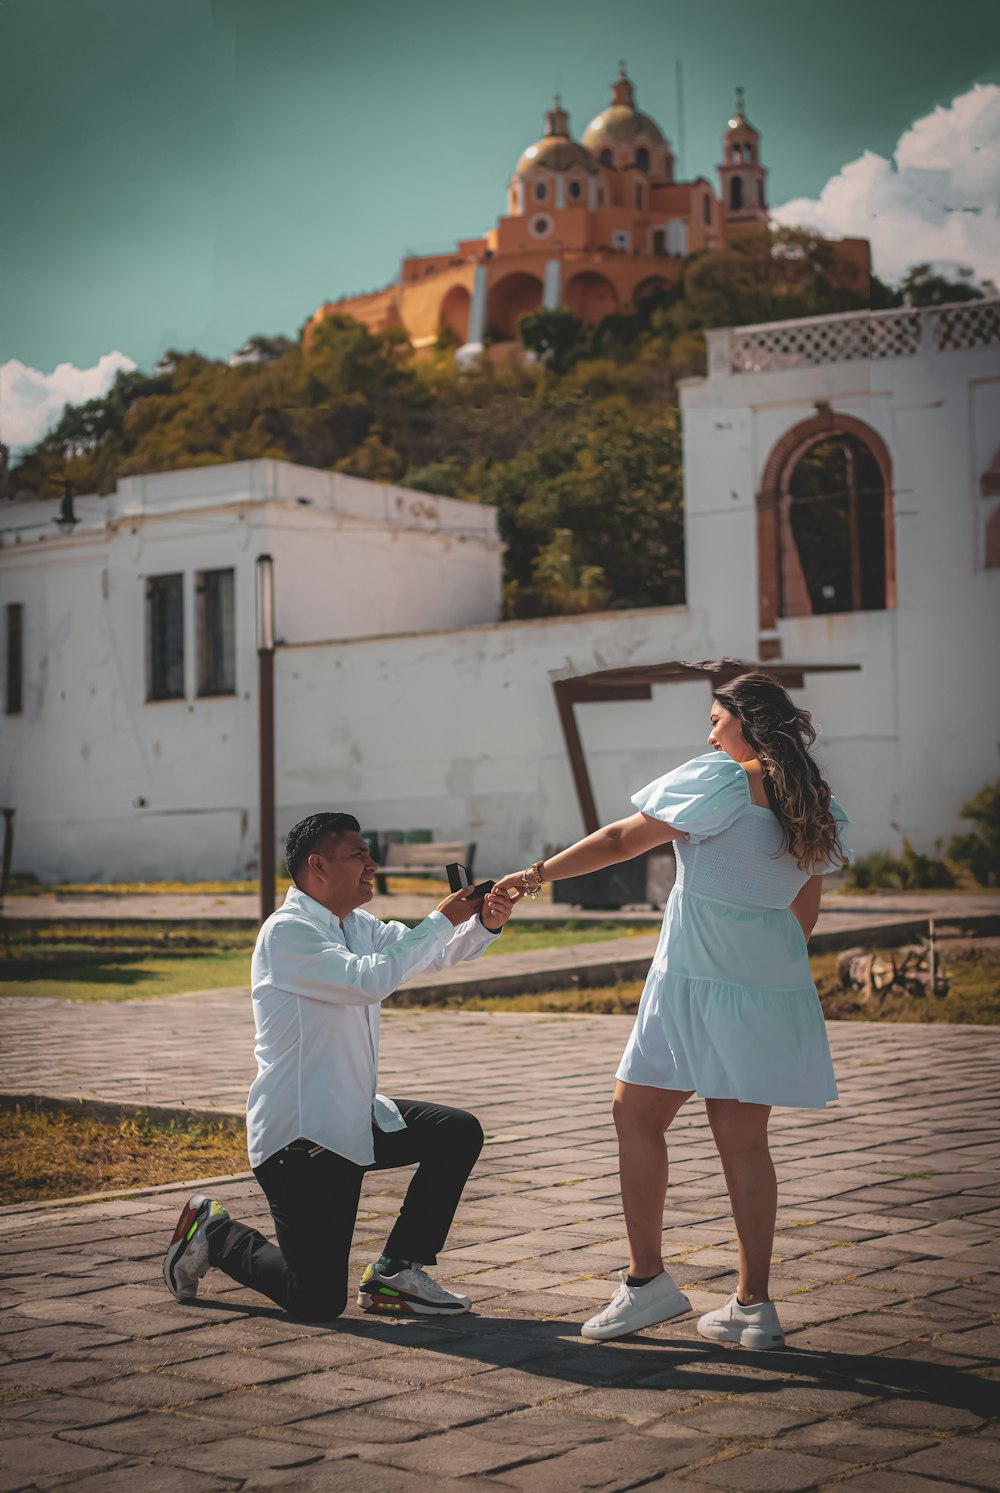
(148, 1477)
(729, 1418)
(446, 1407)
(921, 1413)
(885, 1480)
(353, 1427)
(247, 1453)
(851, 1441)
(149, 1433)
(771, 1472)
(628, 1460)
(28, 1459)
(453, 1454)
(961, 1459)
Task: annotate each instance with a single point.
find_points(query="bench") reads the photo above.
(428, 859)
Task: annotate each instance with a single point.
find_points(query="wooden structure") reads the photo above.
(636, 683)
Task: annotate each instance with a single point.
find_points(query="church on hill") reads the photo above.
(596, 225)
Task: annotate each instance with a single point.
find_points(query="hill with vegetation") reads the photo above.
(578, 446)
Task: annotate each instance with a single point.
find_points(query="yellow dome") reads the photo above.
(620, 125)
(556, 153)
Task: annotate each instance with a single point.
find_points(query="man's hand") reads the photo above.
(496, 909)
(458, 908)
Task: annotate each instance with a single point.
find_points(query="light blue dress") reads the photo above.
(729, 1008)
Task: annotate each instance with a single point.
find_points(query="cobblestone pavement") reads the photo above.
(887, 1270)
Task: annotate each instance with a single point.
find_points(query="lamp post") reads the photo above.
(265, 730)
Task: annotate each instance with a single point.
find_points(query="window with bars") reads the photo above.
(165, 637)
(834, 543)
(14, 676)
(215, 618)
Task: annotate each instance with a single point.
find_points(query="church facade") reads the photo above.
(595, 225)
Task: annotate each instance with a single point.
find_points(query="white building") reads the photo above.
(129, 742)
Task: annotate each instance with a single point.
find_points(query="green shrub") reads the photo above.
(979, 849)
(911, 871)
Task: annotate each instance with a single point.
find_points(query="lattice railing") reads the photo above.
(853, 336)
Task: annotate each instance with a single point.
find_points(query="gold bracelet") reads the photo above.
(536, 872)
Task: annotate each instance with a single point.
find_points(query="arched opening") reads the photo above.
(642, 158)
(454, 312)
(607, 159)
(825, 533)
(735, 194)
(833, 531)
(591, 297)
(511, 298)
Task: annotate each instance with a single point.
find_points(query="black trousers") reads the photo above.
(314, 1204)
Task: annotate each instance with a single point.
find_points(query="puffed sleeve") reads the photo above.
(843, 852)
(702, 798)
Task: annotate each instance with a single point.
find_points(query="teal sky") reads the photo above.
(188, 172)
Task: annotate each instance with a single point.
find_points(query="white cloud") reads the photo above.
(31, 402)
(937, 200)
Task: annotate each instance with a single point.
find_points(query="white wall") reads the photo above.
(915, 733)
(106, 784)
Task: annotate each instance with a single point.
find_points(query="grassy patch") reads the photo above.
(55, 1155)
(974, 996)
(116, 962)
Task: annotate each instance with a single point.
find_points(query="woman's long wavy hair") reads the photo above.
(780, 735)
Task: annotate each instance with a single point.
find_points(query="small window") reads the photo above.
(706, 208)
(607, 159)
(642, 158)
(165, 637)
(659, 241)
(13, 687)
(541, 191)
(575, 190)
(735, 194)
(216, 628)
(540, 227)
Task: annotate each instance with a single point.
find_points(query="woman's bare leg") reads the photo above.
(642, 1117)
(740, 1132)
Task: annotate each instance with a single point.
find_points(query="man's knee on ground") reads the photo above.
(317, 1306)
(466, 1133)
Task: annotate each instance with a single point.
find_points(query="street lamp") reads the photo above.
(265, 730)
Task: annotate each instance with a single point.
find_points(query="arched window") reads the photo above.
(642, 158)
(541, 191)
(735, 194)
(833, 531)
(606, 157)
(576, 190)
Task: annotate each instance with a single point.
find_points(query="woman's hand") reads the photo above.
(497, 907)
(512, 884)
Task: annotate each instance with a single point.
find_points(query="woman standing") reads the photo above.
(729, 1011)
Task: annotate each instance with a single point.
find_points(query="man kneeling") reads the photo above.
(315, 1124)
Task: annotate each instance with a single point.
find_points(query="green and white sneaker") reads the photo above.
(410, 1292)
(186, 1259)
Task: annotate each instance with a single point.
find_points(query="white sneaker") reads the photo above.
(749, 1326)
(186, 1260)
(633, 1307)
(408, 1291)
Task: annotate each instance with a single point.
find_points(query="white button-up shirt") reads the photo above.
(318, 986)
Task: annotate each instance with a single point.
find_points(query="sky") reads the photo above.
(185, 173)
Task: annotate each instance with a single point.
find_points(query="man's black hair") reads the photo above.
(303, 837)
